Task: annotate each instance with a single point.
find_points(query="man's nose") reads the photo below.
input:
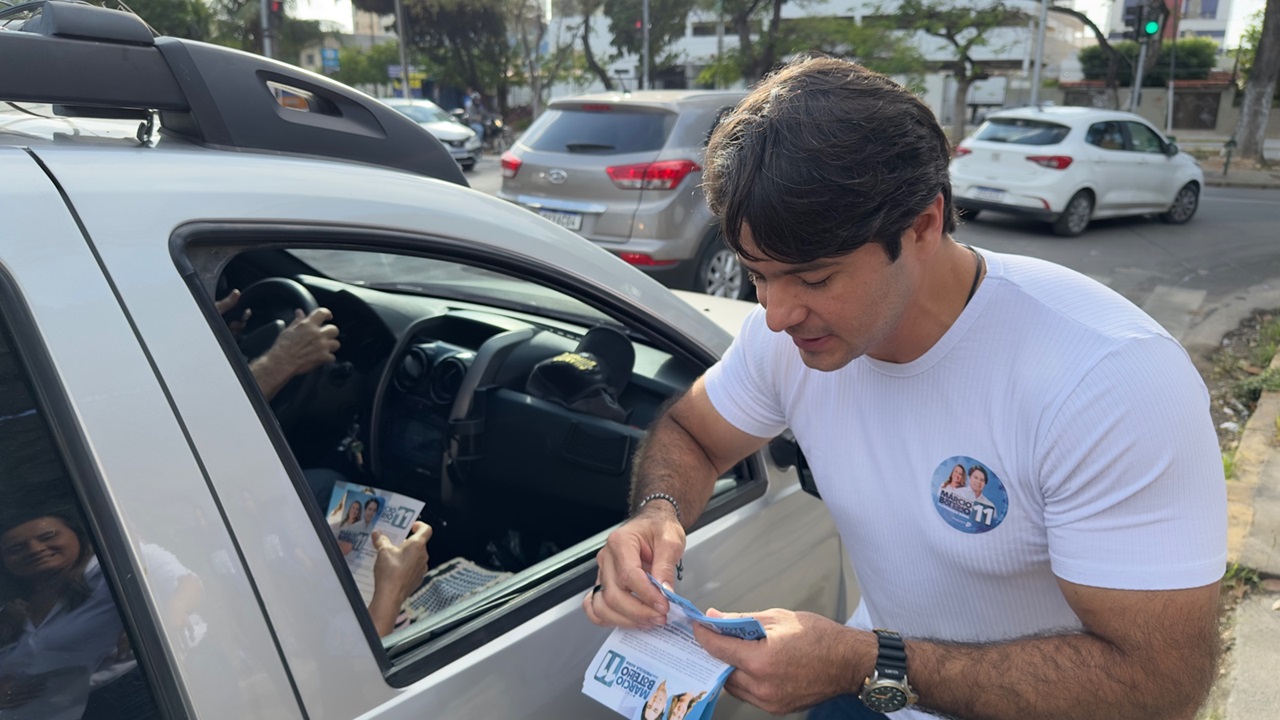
(782, 309)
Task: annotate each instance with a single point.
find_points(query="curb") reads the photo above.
(1251, 539)
(1263, 185)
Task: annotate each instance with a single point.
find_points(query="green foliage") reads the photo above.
(357, 66)
(191, 19)
(667, 20)
(1264, 351)
(963, 27)
(464, 41)
(1238, 576)
(1251, 388)
(1229, 465)
(871, 43)
(1195, 58)
(1248, 49)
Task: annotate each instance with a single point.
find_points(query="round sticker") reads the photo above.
(968, 495)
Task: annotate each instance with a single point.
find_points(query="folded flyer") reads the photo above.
(663, 673)
(355, 511)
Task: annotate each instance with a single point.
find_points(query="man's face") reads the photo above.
(370, 511)
(835, 309)
(977, 481)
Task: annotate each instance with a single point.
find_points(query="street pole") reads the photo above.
(1035, 69)
(404, 64)
(267, 50)
(644, 78)
(1135, 92)
(719, 40)
(1173, 64)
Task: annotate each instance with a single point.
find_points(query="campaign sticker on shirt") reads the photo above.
(968, 495)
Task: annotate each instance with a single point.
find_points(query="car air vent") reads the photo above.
(446, 379)
(412, 369)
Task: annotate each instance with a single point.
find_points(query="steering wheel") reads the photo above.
(274, 302)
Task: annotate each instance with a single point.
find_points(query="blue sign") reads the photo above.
(329, 59)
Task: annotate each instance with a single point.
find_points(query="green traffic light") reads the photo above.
(1151, 28)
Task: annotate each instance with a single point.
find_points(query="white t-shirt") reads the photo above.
(1090, 421)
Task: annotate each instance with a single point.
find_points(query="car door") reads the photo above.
(1110, 166)
(526, 657)
(115, 455)
(1154, 180)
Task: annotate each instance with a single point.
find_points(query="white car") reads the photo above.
(129, 406)
(1070, 165)
(462, 142)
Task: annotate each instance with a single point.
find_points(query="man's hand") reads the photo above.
(397, 572)
(17, 690)
(653, 542)
(803, 660)
(306, 344)
(226, 305)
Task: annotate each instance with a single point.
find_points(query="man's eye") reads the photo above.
(753, 278)
(815, 283)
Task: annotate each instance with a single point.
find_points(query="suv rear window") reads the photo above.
(603, 132)
(1022, 132)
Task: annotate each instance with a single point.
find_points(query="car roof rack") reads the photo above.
(90, 61)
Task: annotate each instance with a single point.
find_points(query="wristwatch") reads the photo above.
(887, 690)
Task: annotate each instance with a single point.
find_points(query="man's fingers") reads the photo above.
(226, 303)
(381, 541)
(724, 648)
(420, 532)
(319, 316)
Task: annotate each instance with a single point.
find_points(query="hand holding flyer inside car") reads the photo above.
(663, 673)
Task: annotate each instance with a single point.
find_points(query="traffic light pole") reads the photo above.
(267, 49)
(1135, 92)
(645, 80)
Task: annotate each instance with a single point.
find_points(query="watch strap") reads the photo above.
(891, 661)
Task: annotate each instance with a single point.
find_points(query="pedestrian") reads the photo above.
(1084, 585)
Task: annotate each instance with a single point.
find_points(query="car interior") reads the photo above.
(511, 409)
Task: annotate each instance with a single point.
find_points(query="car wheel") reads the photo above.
(1184, 205)
(720, 274)
(1075, 218)
(967, 213)
(468, 166)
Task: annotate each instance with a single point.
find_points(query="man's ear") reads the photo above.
(928, 226)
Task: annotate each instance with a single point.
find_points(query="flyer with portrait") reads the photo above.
(663, 673)
(355, 511)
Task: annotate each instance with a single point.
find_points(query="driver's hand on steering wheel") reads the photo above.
(306, 344)
(226, 305)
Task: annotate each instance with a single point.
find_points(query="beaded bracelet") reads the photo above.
(662, 496)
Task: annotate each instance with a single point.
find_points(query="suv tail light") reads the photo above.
(960, 152)
(663, 175)
(1053, 162)
(510, 164)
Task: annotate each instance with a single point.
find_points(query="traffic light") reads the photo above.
(1150, 27)
(275, 12)
(1135, 22)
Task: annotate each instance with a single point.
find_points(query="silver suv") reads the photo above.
(624, 170)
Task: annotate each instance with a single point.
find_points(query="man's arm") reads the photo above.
(306, 344)
(1142, 654)
(689, 446)
(397, 571)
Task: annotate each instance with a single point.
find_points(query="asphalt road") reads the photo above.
(1177, 273)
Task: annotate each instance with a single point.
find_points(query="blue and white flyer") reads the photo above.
(663, 673)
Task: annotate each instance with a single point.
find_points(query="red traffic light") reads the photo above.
(639, 25)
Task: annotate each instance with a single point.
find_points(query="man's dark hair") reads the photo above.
(823, 157)
(979, 468)
(374, 501)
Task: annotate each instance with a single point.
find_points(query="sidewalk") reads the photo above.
(1241, 173)
(1249, 681)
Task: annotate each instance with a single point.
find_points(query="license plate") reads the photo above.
(570, 220)
(993, 194)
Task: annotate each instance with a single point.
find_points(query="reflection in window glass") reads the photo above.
(1018, 131)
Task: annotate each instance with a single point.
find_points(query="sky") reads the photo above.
(339, 12)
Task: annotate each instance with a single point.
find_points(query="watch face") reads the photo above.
(884, 698)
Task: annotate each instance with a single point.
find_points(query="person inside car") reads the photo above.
(304, 345)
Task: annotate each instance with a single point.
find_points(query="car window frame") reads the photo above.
(1133, 145)
(544, 591)
(1124, 136)
(112, 546)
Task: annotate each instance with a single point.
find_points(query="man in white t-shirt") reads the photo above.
(1077, 580)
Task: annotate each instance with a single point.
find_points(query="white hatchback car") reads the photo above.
(1070, 165)
(462, 142)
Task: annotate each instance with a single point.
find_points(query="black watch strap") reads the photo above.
(891, 661)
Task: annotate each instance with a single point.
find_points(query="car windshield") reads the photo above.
(450, 280)
(600, 132)
(423, 113)
(1019, 131)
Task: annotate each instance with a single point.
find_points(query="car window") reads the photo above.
(64, 649)
(1106, 135)
(614, 131)
(1144, 139)
(1019, 131)
(499, 410)
(423, 113)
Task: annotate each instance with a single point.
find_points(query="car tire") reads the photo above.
(468, 166)
(1075, 216)
(720, 274)
(1184, 205)
(967, 213)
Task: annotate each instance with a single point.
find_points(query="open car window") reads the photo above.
(500, 410)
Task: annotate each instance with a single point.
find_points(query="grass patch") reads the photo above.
(1268, 341)
(1229, 465)
(1240, 578)
(1249, 389)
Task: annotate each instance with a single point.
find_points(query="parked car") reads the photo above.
(461, 140)
(623, 170)
(129, 404)
(1070, 165)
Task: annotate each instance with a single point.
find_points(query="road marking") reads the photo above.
(1173, 307)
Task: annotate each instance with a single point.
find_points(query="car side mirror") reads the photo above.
(786, 452)
(1171, 150)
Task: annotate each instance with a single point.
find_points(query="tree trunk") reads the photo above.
(590, 56)
(960, 108)
(1251, 133)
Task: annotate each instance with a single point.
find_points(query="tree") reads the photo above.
(190, 19)
(964, 28)
(1261, 86)
(532, 31)
(1195, 56)
(1114, 58)
(870, 43)
(238, 24)
(667, 19)
(1248, 48)
(357, 66)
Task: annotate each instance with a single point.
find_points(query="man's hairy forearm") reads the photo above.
(1061, 677)
(670, 461)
